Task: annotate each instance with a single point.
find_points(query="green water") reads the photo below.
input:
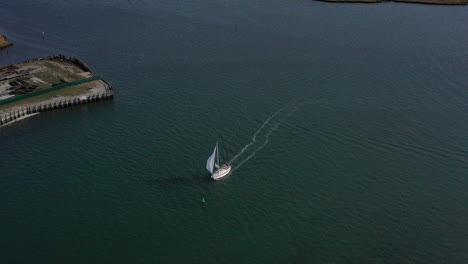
(365, 162)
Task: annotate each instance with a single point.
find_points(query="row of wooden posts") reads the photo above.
(75, 60)
(109, 94)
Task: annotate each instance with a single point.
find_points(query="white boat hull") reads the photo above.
(221, 173)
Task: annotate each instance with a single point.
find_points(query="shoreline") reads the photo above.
(18, 119)
(48, 83)
(4, 43)
(426, 2)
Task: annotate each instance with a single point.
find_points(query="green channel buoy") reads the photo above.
(203, 199)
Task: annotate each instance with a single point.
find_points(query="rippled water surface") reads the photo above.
(365, 160)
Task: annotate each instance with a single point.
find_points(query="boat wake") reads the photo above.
(286, 111)
(254, 138)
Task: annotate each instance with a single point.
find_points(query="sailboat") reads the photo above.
(212, 165)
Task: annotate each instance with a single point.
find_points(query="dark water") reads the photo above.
(366, 163)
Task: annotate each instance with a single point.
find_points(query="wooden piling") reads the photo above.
(109, 94)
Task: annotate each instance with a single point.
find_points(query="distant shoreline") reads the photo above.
(429, 2)
(4, 43)
(46, 84)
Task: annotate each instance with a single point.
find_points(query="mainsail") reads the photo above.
(210, 163)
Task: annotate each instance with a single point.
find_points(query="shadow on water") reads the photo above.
(179, 180)
(304, 250)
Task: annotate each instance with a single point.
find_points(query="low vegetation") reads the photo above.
(73, 91)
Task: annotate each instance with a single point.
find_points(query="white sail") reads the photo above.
(217, 156)
(210, 163)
